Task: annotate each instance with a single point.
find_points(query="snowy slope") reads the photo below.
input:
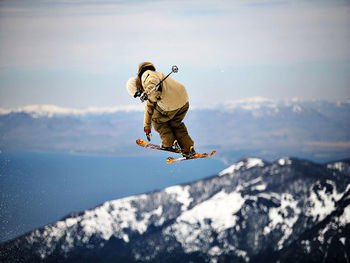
(247, 212)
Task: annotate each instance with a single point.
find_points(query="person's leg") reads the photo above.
(179, 129)
(161, 125)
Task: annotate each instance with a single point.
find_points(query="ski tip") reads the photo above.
(170, 160)
(140, 141)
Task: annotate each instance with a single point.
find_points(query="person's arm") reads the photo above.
(151, 79)
(147, 122)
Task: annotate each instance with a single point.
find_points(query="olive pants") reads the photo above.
(170, 127)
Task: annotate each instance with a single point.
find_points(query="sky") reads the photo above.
(79, 54)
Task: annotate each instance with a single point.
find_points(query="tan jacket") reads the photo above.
(172, 97)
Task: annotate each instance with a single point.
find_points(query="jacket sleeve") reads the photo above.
(149, 80)
(147, 122)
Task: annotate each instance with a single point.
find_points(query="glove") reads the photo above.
(148, 134)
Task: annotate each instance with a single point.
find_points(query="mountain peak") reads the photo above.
(245, 163)
(48, 110)
(284, 161)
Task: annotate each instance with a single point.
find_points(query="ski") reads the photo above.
(196, 156)
(144, 144)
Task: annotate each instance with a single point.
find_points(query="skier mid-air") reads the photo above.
(166, 107)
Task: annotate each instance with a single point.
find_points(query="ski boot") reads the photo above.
(190, 154)
(174, 148)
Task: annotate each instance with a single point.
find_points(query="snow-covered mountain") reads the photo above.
(316, 130)
(290, 210)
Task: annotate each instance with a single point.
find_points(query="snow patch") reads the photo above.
(321, 202)
(214, 251)
(260, 187)
(219, 209)
(247, 163)
(216, 213)
(51, 234)
(283, 218)
(249, 183)
(307, 246)
(231, 169)
(340, 166)
(248, 103)
(284, 161)
(344, 219)
(269, 196)
(342, 240)
(321, 234)
(126, 238)
(252, 162)
(182, 195)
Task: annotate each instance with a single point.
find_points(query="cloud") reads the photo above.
(100, 35)
(329, 145)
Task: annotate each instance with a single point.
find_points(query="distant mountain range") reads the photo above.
(289, 210)
(315, 130)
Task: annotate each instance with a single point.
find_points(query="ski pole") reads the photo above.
(174, 69)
